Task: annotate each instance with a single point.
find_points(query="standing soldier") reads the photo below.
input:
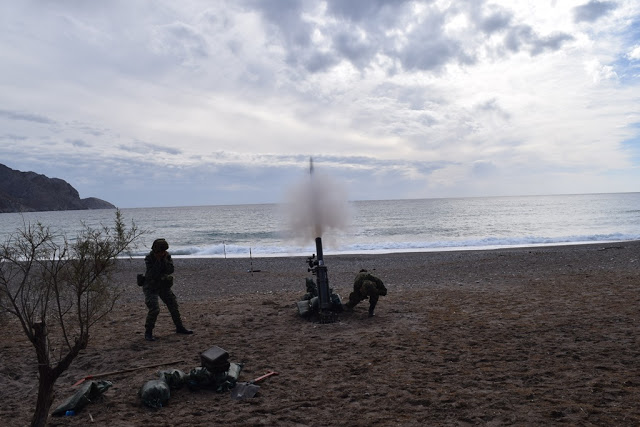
(366, 285)
(157, 283)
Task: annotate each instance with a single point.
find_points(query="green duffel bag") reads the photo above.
(155, 393)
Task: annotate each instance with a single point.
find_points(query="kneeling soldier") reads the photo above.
(366, 285)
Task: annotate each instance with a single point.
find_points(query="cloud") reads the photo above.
(523, 37)
(28, 117)
(600, 72)
(484, 168)
(429, 48)
(551, 42)
(592, 11)
(495, 21)
(354, 46)
(79, 143)
(180, 40)
(148, 149)
(12, 137)
(382, 11)
(287, 24)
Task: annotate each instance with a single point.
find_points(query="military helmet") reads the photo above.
(159, 245)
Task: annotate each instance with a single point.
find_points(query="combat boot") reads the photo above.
(148, 335)
(182, 330)
(372, 306)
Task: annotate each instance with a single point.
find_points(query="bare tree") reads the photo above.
(58, 289)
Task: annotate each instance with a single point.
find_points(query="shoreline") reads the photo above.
(329, 252)
(407, 251)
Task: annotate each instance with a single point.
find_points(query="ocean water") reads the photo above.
(382, 226)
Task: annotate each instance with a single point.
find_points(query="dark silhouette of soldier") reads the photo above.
(366, 285)
(158, 281)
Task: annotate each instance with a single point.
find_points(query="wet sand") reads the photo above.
(528, 336)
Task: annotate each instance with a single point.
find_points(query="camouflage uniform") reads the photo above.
(158, 282)
(366, 285)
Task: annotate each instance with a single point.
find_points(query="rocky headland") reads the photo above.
(33, 192)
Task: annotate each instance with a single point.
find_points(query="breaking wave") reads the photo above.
(235, 251)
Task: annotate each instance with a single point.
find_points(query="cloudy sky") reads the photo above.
(167, 103)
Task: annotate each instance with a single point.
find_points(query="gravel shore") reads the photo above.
(527, 336)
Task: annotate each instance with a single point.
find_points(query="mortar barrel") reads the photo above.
(319, 250)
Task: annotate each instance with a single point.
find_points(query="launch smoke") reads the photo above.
(316, 205)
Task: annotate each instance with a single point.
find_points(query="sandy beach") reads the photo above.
(527, 336)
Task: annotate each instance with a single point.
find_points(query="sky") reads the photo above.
(165, 103)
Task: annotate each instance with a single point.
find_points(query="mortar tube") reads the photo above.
(319, 250)
(323, 280)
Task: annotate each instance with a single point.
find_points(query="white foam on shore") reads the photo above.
(234, 251)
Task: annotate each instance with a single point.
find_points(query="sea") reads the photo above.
(372, 227)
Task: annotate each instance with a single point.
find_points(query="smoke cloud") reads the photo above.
(316, 205)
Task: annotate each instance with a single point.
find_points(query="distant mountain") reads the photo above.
(32, 192)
